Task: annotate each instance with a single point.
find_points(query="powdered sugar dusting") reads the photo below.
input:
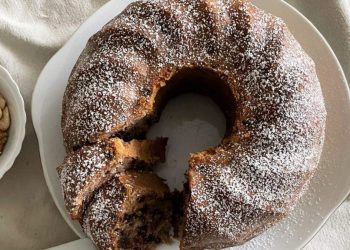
(78, 171)
(101, 215)
(100, 89)
(254, 178)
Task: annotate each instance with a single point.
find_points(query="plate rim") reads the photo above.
(36, 124)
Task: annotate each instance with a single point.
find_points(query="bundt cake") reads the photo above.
(250, 64)
(88, 168)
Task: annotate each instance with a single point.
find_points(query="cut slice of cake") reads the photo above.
(85, 170)
(131, 211)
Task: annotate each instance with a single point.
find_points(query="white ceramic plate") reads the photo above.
(330, 185)
(10, 90)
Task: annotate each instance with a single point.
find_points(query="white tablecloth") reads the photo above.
(31, 31)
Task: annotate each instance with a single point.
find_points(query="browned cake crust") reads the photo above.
(87, 169)
(247, 61)
(131, 211)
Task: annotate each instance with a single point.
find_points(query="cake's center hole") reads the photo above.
(192, 123)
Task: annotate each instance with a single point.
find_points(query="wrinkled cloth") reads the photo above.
(31, 31)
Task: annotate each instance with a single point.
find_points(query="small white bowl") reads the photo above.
(9, 90)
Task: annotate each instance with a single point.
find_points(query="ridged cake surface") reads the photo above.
(271, 97)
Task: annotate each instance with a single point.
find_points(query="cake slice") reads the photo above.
(85, 170)
(131, 211)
